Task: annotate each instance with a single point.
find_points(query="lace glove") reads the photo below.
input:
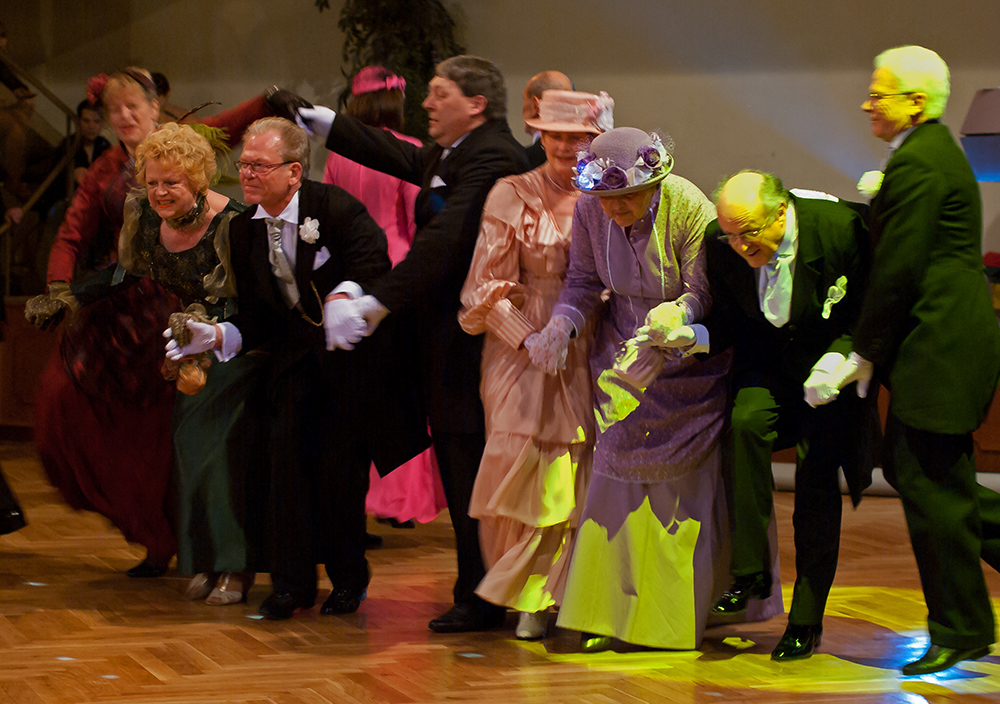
(854, 368)
(202, 340)
(820, 388)
(316, 120)
(372, 311)
(660, 322)
(547, 349)
(284, 103)
(342, 324)
(47, 310)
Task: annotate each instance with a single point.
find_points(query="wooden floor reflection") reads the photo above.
(73, 628)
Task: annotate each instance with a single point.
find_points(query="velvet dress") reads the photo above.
(539, 428)
(218, 453)
(651, 551)
(102, 411)
(412, 491)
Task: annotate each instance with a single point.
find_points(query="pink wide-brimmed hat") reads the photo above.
(623, 161)
(574, 111)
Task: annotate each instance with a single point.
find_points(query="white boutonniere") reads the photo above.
(834, 295)
(309, 230)
(869, 183)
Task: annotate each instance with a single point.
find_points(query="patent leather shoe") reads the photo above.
(11, 520)
(343, 600)
(734, 600)
(593, 643)
(938, 658)
(278, 606)
(463, 618)
(147, 570)
(798, 642)
(373, 540)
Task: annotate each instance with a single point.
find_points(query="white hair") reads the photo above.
(918, 70)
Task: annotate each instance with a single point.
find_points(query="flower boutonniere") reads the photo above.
(309, 230)
(834, 295)
(869, 183)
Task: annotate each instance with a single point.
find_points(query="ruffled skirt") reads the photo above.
(527, 498)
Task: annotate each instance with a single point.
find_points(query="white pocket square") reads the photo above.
(321, 257)
(437, 181)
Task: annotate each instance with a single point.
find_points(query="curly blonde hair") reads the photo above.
(181, 146)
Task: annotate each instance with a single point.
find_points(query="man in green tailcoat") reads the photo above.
(928, 329)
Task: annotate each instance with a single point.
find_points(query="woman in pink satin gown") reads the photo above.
(539, 427)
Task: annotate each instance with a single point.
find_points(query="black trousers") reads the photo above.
(319, 476)
(953, 522)
(768, 414)
(458, 456)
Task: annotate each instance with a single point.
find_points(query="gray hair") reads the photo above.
(919, 70)
(294, 140)
(475, 75)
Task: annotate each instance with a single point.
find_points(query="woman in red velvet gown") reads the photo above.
(103, 412)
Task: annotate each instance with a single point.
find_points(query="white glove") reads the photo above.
(202, 340)
(372, 311)
(342, 324)
(316, 120)
(820, 388)
(854, 368)
(547, 349)
(683, 336)
(660, 322)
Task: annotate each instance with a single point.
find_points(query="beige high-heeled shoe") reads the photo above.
(532, 626)
(200, 586)
(232, 588)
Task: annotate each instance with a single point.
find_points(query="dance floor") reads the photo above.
(73, 628)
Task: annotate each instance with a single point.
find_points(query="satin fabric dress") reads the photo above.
(413, 491)
(651, 551)
(539, 428)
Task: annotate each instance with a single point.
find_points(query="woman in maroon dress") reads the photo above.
(103, 412)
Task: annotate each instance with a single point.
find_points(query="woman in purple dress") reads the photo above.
(648, 554)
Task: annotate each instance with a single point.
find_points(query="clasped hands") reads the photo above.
(832, 373)
(347, 320)
(666, 325)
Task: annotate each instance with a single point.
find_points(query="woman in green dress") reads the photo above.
(176, 232)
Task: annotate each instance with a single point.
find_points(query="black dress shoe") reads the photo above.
(463, 618)
(593, 643)
(734, 600)
(343, 600)
(938, 658)
(798, 642)
(372, 541)
(147, 570)
(11, 520)
(278, 606)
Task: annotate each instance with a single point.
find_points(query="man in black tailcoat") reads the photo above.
(473, 147)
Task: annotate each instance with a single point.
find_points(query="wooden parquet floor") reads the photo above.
(74, 629)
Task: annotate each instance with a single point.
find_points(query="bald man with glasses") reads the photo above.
(787, 275)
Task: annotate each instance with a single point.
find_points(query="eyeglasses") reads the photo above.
(877, 97)
(751, 235)
(258, 169)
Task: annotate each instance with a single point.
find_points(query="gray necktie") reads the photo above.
(777, 292)
(279, 262)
